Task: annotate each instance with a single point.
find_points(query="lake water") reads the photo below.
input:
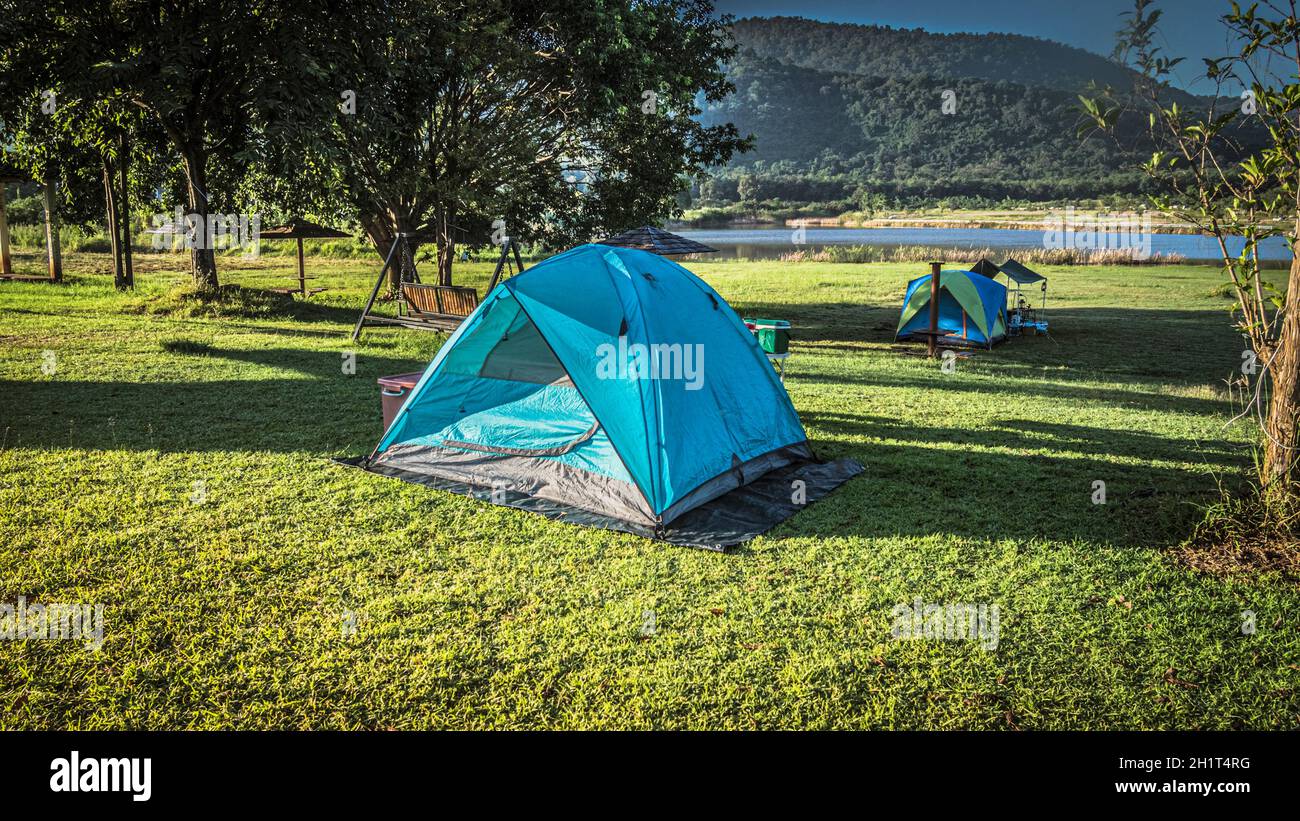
(769, 243)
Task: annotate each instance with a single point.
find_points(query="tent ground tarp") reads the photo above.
(734, 518)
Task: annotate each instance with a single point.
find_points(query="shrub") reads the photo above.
(227, 301)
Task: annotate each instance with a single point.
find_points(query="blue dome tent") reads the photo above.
(971, 306)
(611, 387)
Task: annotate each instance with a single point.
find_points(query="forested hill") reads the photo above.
(839, 109)
(881, 51)
(897, 125)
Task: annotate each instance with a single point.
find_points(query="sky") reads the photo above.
(1190, 28)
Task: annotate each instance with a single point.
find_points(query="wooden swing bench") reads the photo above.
(430, 307)
(437, 307)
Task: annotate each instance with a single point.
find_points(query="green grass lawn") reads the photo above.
(177, 469)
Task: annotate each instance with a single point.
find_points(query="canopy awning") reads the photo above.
(302, 229)
(1019, 273)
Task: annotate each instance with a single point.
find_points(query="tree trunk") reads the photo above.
(6, 264)
(383, 234)
(446, 247)
(110, 208)
(124, 210)
(1282, 428)
(446, 253)
(203, 262)
(52, 248)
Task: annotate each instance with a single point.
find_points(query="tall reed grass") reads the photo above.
(921, 253)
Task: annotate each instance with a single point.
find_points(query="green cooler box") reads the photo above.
(773, 334)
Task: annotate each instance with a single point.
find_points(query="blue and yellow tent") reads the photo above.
(613, 387)
(973, 307)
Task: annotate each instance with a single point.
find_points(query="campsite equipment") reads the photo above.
(299, 230)
(970, 309)
(773, 337)
(778, 361)
(1026, 318)
(773, 334)
(430, 307)
(1022, 317)
(393, 391)
(657, 241)
(610, 387)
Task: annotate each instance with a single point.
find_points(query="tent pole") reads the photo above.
(374, 293)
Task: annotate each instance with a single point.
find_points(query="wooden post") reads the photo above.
(302, 276)
(52, 232)
(933, 339)
(6, 264)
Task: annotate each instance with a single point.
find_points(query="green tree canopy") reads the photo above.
(564, 119)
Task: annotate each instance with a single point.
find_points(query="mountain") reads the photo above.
(837, 109)
(899, 124)
(881, 51)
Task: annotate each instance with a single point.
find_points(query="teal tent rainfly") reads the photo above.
(971, 306)
(611, 387)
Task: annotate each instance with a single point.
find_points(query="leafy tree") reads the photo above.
(192, 68)
(39, 144)
(127, 76)
(1256, 197)
(747, 188)
(214, 79)
(563, 119)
